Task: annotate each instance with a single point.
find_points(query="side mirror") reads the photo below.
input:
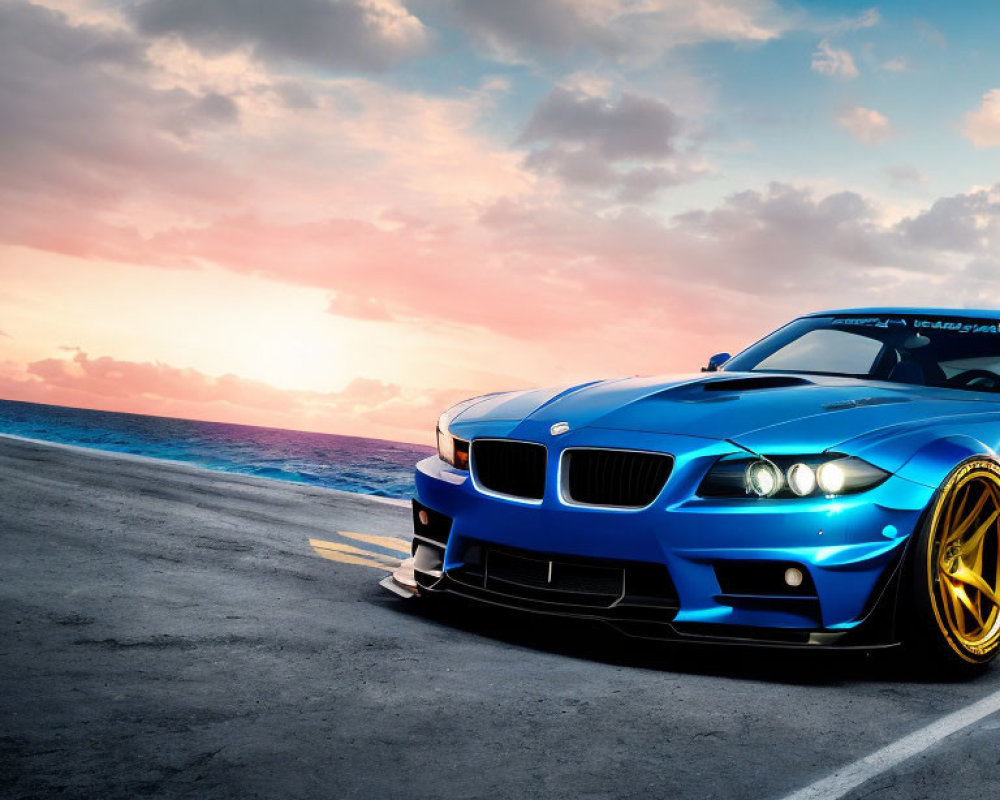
(716, 361)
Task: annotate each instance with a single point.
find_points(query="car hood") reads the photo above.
(754, 410)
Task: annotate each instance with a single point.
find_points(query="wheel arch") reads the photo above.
(889, 617)
(912, 574)
(933, 462)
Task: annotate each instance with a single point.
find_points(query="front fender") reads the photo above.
(931, 464)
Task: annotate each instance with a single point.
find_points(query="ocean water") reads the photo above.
(350, 463)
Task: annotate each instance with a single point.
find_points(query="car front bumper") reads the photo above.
(722, 561)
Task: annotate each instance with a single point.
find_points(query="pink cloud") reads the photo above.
(165, 390)
(441, 213)
(982, 126)
(833, 61)
(544, 271)
(511, 275)
(866, 125)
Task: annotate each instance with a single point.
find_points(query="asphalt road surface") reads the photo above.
(173, 632)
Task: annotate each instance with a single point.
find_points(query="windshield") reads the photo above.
(949, 352)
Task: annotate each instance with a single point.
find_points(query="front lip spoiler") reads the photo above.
(402, 581)
(667, 631)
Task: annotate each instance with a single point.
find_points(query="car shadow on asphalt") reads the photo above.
(598, 642)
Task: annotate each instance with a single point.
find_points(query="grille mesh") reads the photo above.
(615, 477)
(512, 468)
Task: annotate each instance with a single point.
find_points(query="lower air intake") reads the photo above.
(564, 584)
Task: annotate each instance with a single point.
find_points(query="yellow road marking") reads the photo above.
(388, 542)
(319, 544)
(347, 558)
(348, 554)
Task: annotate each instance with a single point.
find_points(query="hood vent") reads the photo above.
(750, 384)
(861, 402)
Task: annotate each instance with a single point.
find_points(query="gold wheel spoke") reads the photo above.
(977, 564)
(977, 561)
(958, 531)
(958, 593)
(967, 576)
(956, 509)
(957, 611)
(974, 544)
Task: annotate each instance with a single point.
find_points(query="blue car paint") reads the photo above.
(841, 541)
(847, 543)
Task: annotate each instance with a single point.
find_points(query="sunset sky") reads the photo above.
(343, 215)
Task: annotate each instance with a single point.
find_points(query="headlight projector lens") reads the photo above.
(831, 477)
(801, 479)
(763, 479)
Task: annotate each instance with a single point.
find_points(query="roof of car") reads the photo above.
(961, 313)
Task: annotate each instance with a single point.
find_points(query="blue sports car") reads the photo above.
(836, 484)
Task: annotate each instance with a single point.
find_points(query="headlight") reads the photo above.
(762, 478)
(784, 477)
(802, 478)
(831, 477)
(450, 448)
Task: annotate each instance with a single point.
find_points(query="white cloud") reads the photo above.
(629, 30)
(898, 64)
(866, 19)
(866, 125)
(634, 127)
(628, 144)
(982, 127)
(784, 240)
(829, 60)
(497, 84)
(928, 33)
(963, 223)
(903, 174)
(347, 34)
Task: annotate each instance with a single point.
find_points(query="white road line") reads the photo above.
(853, 775)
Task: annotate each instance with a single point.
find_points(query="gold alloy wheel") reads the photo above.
(963, 560)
